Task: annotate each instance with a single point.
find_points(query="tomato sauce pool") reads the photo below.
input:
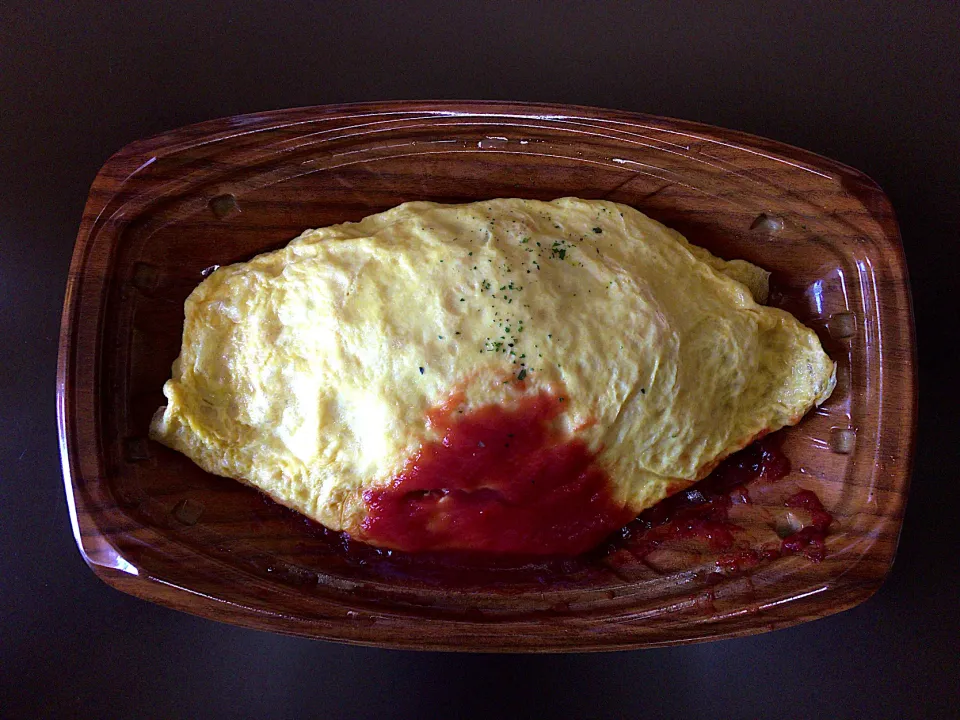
(500, 480)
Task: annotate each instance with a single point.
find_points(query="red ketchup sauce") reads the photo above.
(808, 541)
(702, 511)
(499, 480)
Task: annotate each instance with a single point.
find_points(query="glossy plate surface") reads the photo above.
(163, 210)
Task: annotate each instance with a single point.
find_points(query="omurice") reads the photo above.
(507, 376)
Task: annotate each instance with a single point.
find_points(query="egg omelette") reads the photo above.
(507, 376)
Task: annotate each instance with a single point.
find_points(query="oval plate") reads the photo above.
(163, 210)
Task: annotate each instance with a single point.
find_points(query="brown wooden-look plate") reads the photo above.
(163, 210)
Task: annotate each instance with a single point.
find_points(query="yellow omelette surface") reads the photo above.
(309, 372)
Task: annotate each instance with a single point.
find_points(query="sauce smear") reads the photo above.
(500, 480)
(702, 511)
(808, 541)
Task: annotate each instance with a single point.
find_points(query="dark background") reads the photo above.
(874, 86)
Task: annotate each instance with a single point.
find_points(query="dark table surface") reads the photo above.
(874, 86)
